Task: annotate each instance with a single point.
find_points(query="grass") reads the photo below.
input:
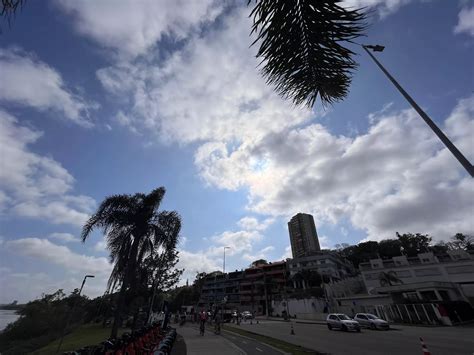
(276, 343)
(88, 334)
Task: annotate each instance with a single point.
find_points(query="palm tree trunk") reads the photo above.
(118, 310)
(130, 268)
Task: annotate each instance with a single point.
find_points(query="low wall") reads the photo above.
(307, 308)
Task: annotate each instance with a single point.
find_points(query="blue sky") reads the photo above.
(110, 97)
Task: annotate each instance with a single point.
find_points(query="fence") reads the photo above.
(420, 313)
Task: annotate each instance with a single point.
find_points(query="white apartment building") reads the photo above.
(426, 277)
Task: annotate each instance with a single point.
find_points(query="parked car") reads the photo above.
(371, 321)
(247, 315)
(342, 321)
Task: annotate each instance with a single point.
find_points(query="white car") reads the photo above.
(342, 321)
(371, 321)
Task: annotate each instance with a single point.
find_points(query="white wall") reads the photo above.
(307, 308)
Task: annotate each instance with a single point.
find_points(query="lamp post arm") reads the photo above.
(452, 148)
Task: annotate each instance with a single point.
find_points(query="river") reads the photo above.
(6, 317)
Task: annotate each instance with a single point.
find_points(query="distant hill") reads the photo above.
(12, 306)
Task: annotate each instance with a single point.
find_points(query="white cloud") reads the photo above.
(252, 223)
(383, 7)
(26, 286)
(386, 179)
(64, 237)
(28, 81)
(60, 255)
(287, 254)
(239, 241)
(228, 101)
(196, 262)
(100, 246)
(131, 27)
(32, 185)
(261, 254)
(465, 21)
(397, 176)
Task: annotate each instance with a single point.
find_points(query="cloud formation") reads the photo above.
(132, 27)
(64, 237)
(395, 177)
(28, 81)
(465, 21)
(32, 185)
(60, 255)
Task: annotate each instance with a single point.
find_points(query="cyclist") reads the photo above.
(202, 321)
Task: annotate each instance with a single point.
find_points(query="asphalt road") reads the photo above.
(250, 346)
(404, 340)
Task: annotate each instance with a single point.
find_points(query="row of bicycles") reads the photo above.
(149, 340)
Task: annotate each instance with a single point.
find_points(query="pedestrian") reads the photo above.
(202, 321)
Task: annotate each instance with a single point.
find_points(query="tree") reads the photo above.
(413, 244)
(311, 278)
(259, 262)
(133, 228)
(461, 241)
(8, 9)
(161, 272)
(439, 248)
(388, 248)
(301, 47)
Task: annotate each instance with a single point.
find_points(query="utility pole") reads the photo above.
(223, 266)
(70, 314)
(446, 141)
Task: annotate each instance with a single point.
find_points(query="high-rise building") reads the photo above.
(303, 236)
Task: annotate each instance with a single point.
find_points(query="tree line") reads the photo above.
(408, 244)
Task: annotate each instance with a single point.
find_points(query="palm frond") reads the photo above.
(117, 209)
(301, 47)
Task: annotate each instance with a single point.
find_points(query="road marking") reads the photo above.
(243, 341)
(259, 350)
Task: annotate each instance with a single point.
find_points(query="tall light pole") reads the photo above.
(70, 313)
(452, 148)
(223, 266)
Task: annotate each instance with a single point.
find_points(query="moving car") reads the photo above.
(371, 321)
(342, 321)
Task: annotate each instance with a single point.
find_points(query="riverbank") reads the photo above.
(7, 316)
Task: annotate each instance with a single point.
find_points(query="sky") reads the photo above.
(112, 97)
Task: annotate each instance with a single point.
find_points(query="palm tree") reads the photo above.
(389, 278)
(133, 228)
(300, 47)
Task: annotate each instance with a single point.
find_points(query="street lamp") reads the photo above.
(452, 148)
(223, 267)
(70, 313)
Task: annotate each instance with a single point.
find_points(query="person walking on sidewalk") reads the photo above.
(202, 321)
(217, 323)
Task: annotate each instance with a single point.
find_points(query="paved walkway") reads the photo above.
(207, 344)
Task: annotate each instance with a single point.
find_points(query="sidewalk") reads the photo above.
(207, 344)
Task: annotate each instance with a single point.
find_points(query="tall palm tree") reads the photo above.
(301, 47)
(133, 228)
